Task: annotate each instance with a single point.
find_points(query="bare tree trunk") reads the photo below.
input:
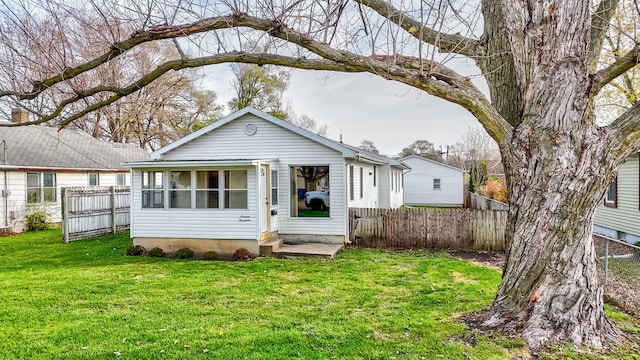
(550, 289)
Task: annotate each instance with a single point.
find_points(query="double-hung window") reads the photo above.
(152, 189)
(235, 189)
(207, 189)
(611, 197)
(436, 184)
(94, 179)
(41, 187)
(121, 179)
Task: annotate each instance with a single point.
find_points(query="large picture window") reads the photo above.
(41, 187)
(152, 189)
(310, 191)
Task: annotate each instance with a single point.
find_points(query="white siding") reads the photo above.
(230, 142)
(193, 223)
(370, 197)
(625, 218)
(16, 202)
(419, 183)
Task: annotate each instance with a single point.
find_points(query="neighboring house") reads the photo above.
(251, 177)
(36, 161)
(431, 183)
(619, 215)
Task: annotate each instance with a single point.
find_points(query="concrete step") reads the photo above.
(308, 249)
(267, 247)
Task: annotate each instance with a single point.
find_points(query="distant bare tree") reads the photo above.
(368, 145)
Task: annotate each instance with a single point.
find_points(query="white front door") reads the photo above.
(264, 195)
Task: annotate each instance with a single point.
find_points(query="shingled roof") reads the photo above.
(35, 146)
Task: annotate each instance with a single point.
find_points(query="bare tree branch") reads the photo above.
(625, 133)
(448, 43)
(599, 25)
(619, 67)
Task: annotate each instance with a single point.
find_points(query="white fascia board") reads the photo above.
(194, 163)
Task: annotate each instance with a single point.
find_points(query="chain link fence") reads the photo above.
(619, 263)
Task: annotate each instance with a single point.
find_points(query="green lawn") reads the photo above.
(85, 300)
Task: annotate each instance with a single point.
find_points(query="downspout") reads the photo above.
(5, 190)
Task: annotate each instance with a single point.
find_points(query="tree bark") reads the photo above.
(550, 290)
(558, 164)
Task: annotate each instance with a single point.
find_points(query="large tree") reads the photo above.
(539, 58)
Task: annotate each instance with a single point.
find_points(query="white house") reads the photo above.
(619, 215)
(251, 177)
(36, 161)
(431, 183)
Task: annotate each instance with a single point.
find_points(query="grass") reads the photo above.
(85, 300)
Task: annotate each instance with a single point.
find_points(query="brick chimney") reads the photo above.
(19, 115)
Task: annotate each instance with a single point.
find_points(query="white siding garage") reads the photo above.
(430, 183)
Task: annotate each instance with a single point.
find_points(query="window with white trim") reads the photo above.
(611, 197)
(274, 187)
(235, 189)
(436, 184)
(207, 189)
(41, 187)
(152, 189)
(94, 179)
(121, 179)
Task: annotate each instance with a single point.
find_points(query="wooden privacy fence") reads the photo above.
(89, 211)
(460, 229)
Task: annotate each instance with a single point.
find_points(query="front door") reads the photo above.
(264, 196)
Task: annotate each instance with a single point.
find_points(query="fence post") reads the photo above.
(65, 215)
(113, 209)
(606, 263)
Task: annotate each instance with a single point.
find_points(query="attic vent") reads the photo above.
(250, 129)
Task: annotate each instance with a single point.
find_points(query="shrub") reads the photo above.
(136, 250)
(37, 219)
(155, 252)
(242, 254)
(184, 253)
(496, 190)
(210, 255)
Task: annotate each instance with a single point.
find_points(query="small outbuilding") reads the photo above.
(250, 178)
(431, 183)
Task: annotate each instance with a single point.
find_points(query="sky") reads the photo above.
(364, 106)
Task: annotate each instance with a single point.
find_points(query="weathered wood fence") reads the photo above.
(460, 229)
(89, 211)
(483, 203)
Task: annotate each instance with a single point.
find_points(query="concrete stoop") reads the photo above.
(307, 249)
(267, 247)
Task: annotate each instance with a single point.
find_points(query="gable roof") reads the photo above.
(347, 151)
(34, 146)
(432, 162)
(249, 110)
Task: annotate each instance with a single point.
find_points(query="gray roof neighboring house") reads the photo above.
(34, 146)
